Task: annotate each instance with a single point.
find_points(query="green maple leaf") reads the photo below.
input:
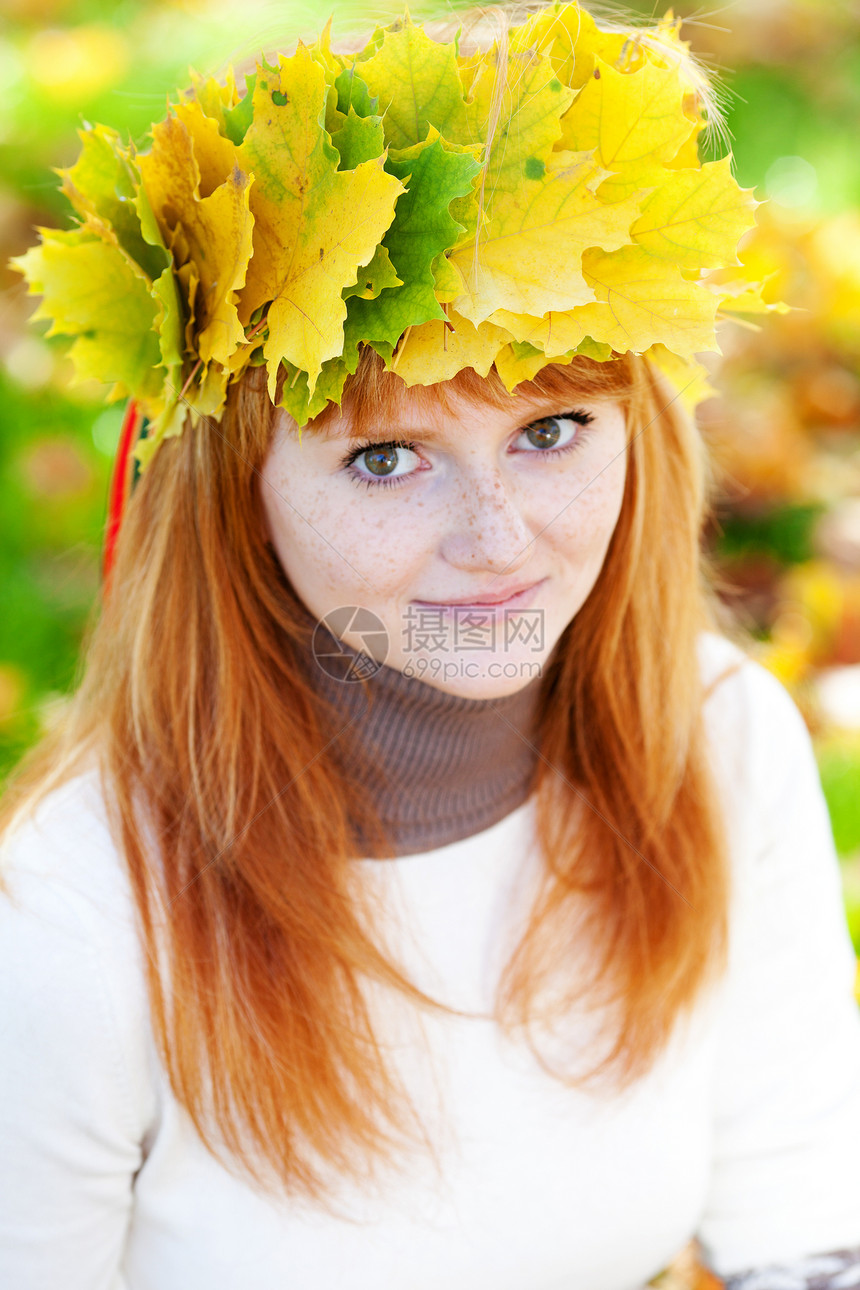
(171, 338)
(374, 277)
(303, 406)
(217, 98)
(422, 229)
(360, 138)
(352, 92)
(595, 349)
(165, 290)
(238, 119)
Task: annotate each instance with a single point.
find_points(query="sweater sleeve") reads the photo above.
(785, 1183)
(72, 1104)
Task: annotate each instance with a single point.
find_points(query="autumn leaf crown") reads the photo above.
(516, 205)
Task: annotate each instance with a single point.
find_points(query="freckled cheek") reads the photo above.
(389, 551)
(585, 515)
(366, 553)
(302, 530)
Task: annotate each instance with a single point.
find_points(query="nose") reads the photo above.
(488, 529)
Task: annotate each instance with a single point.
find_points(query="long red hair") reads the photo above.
(230, 815)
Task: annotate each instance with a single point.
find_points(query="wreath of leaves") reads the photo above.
(515, 206)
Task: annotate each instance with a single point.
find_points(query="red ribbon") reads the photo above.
(120, 484)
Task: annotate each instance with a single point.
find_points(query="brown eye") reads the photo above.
(382, 460)
(386, 462)
(545, 432)
(559, 433)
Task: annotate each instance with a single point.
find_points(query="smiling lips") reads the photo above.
(510, 596)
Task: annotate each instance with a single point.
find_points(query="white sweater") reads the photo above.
(746, 1133)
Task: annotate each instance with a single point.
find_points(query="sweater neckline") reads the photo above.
(437, 767)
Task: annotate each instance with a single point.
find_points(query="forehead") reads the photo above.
(435, 413)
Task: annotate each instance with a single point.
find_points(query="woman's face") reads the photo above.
(482, 503)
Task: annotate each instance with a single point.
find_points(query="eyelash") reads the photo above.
(583, 419)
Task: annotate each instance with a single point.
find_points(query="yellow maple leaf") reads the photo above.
(188, 280)
(634, 120)
(514, 368)
(687, 156)
(523, 125)
(690, 379)
(529, 255)
(540, 208)
(205, 396)
(215, 155)
(215, 96)
(315, 224)
(571, 38)
(642, 301)
(208, 396)
(696, 218)
(101, 186)
(449, 283)
(436, 351)
(555, 334)
(737, 293)
(215, 231)
(92, 290)
(321, 52)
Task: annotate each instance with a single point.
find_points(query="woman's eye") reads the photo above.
(557, 431)
(383, 462)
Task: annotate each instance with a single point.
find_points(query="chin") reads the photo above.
(473, 678)
(491, 688)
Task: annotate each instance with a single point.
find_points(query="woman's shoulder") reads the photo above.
(785, 862)
(755, 728)
(727, 668)
(62, 852)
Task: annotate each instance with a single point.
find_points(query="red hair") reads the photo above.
(231, 818)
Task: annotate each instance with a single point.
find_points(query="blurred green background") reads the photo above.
(785, 430)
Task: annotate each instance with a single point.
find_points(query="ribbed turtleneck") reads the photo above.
(438, 767)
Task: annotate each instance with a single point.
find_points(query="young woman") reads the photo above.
(422, 888)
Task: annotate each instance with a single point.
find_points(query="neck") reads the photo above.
(438, 767)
